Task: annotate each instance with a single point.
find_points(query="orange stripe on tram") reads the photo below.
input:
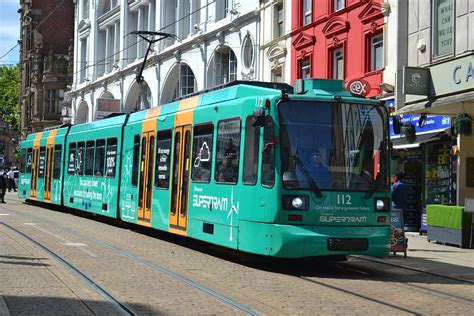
(183, 121)
(148, 131)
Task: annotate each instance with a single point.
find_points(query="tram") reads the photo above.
(259, 167)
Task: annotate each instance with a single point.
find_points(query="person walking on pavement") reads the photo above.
(11, 180)
(399, 192)
(3, 185)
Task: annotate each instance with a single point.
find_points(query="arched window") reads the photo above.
(180, 82)
(223, 67)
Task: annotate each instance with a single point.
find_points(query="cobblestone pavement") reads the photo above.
(353, 287)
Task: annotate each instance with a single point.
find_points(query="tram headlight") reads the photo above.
(382, 204)
(295, 202)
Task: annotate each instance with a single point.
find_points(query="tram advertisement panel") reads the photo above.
(42, 163)
(110, 159)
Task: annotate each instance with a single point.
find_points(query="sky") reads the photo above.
(9, 31)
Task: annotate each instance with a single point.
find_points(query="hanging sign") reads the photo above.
(359, 86)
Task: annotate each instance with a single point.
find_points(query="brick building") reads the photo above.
(46, 61)
(339, 39)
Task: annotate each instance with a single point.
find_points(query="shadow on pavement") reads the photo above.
(47, 305)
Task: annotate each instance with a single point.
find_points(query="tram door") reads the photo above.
(34, 171)
(146, 176)
(180, 181)
(49, 168)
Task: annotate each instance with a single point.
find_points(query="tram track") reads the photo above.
(413, 269)
(412, 286)
(120, 307)
(415, 287)
(187, 281)
(362, 296)
(375, 275)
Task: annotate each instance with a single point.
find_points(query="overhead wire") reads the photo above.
(162, 29)
(36, 27)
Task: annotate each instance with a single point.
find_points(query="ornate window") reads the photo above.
(306, 12)
(305, 68)
(376, 52)
(338, 64)
(339, 5)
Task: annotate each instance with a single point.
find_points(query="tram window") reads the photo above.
(90, 146)
(99, 158)
(42, 162)
(23, 160)
(29, 159)
(202, 153)
(162, 166)
(136, 159)
(71, 159)
(57, 162)
(111, 157)
(268, 153)
(227, 151)
(80, 158)
(252, 144)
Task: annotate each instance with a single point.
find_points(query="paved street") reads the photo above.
(159, 274)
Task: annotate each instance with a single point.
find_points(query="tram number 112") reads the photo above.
(344, 199)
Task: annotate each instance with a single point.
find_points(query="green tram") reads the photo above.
(251, 166)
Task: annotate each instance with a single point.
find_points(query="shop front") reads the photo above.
(444, 89)
(427, 162)
(450, 92)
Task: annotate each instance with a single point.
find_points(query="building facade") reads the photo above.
(275, 41)
(440, 50)
(218, 43)
(46, 62)
(339, 39)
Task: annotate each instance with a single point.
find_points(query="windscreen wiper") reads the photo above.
(314, 187)
(375, 185)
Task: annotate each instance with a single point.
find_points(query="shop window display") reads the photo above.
(440, 175)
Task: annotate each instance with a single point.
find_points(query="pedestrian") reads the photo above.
(11, 180)
(399, 192)
(3, 185)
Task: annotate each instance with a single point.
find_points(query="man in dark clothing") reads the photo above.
(3, 185)
(399, 192)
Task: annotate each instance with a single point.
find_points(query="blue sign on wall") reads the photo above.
(433, 123)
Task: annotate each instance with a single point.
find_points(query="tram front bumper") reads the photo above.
(290, 241)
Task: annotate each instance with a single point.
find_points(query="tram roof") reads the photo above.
(231, 91)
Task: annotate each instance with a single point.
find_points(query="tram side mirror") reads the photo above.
(258, 117)
(397, 124)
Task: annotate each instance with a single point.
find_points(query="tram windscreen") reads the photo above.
(336, 146)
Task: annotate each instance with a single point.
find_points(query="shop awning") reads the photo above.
(403, 143)
(449, 105)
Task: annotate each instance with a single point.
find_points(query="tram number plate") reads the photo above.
(348, 244)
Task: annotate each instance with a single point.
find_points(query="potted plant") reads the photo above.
(409, 131)
(463, 124)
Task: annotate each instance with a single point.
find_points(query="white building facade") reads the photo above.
(275, 41)
(218, 43)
